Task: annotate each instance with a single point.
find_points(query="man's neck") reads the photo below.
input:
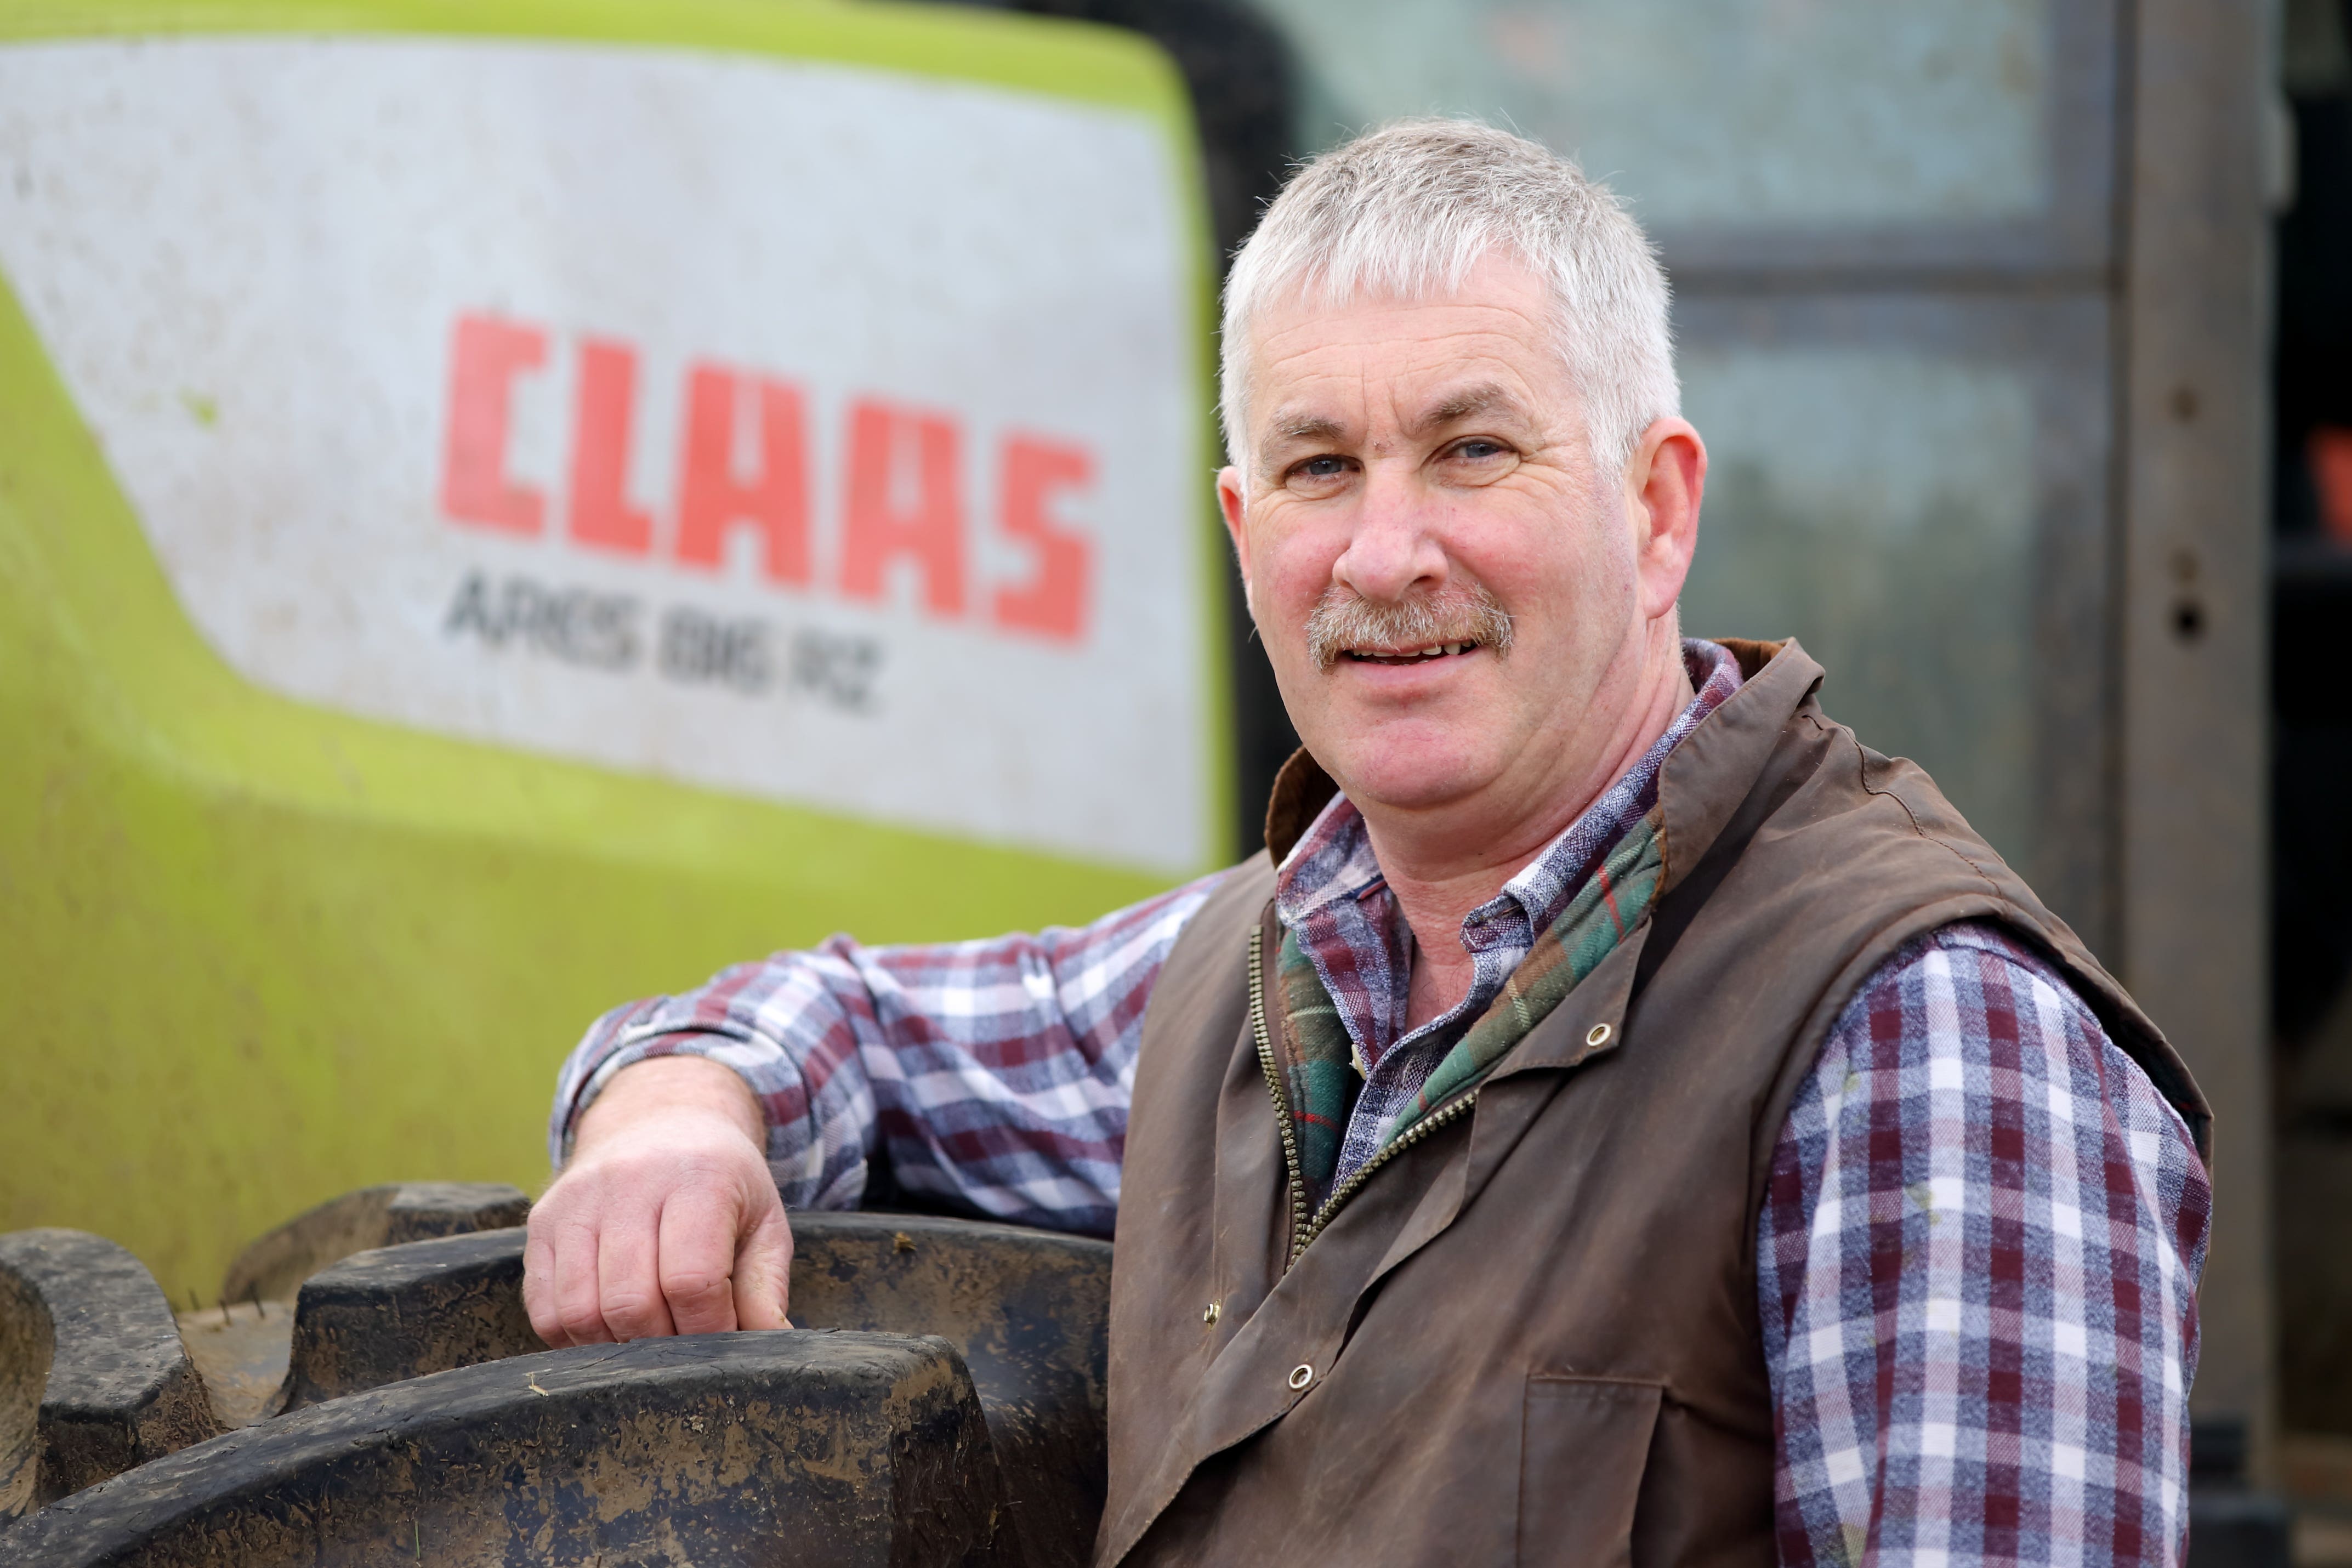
(1440, 865)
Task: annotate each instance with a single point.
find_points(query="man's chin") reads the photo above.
(1410, 773)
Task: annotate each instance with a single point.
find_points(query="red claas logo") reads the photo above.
(902, 491)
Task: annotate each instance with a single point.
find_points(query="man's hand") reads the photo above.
(666, 1220)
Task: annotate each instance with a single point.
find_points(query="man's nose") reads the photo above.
(1393, 547)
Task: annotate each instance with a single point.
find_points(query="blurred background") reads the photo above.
(2019, 332)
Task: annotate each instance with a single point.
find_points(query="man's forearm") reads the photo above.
(1029, 1035)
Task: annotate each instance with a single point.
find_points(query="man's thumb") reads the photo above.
(763, 1267)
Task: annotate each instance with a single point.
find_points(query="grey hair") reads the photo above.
(1406, 211)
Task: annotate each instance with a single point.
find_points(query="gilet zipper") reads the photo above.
(1274, 1087)
(1304, 1229)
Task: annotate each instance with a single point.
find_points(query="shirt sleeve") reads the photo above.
(1976, 1268)
(994, 1074)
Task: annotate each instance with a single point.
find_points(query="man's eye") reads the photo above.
(1322, 467)
(1479, 450)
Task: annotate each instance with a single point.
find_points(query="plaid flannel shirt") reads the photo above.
(1977, 1259)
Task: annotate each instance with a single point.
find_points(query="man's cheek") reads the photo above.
(1281, 601)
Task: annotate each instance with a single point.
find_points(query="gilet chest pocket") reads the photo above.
(1583, 1446)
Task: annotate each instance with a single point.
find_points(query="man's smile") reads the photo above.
(1409, 655)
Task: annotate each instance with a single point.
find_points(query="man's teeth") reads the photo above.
(1440, 651)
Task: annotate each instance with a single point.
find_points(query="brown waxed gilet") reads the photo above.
(1533, 1336)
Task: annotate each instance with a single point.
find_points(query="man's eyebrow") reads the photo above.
(1486, 397)
(1299, 426)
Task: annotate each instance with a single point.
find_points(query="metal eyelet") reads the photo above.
(1596, 1036)
(1301, 1375)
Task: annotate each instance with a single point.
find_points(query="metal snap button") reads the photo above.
(1301, 1375)
(1596, 1036)
(1211, 1312)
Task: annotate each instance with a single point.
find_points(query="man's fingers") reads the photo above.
(579, 1310)
(628, 1272)
(698, 1255)
(539, 1288)
(764, 1271)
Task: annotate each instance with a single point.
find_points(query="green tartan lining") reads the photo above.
(1320, 1072)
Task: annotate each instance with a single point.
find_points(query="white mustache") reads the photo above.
(1346, 620)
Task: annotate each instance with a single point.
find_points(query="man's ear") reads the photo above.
(1229, 502)
(1664, 482)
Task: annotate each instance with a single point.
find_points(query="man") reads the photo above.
(1619, 1113)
